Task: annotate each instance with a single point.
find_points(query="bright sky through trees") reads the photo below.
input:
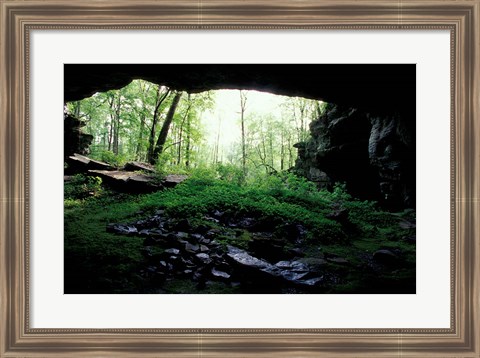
(227, 109)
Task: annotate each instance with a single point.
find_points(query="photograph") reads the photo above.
(239, 178)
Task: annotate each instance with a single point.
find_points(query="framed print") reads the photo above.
(397, 123)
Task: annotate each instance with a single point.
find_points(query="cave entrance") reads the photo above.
(245, 130)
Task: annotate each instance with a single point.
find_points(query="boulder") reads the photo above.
(386, 257)
(289, 272)
(219, 274)
(204, 258)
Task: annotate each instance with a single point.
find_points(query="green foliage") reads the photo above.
(231, 173)
(81, 187)
(117, 160)
(340, 193)
(95, 260)
(273, 204)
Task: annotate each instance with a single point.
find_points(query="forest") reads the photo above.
(176, 192)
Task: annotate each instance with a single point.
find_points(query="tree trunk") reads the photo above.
(151, 139)
(290, 154)
(143, 89)
(162, 137)
(282, 150)
(270, 144)
(76, 109)
(110, 136)
(179, 149)
(116, 133)
(138, 152)
(243, 103)
(186, 117)
(187, 145)
(217, 142)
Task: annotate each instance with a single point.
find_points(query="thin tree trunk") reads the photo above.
(117, 125)
(110, 136)
(290, 154)
(76, 109)
(264, 159)
(188, 144)
(217, 142)
(143, 89)
(138, 152)
(282, 150)
(179, 149)
(180, 135)
(243, 102)
(270, 144)
(162, 137)
(114, 135)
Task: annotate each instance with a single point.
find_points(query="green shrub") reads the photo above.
(117, 160)
(231, 173)
(81, 187)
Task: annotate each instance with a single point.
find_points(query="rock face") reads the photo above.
(373, 154)
(391, 150)
(75, 140)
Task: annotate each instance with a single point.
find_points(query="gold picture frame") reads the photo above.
(18, 18)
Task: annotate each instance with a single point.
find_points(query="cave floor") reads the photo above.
(122, 243)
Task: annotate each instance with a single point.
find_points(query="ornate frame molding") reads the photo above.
(18, 18)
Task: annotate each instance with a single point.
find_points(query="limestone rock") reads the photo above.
(373, 154)
(135, 166)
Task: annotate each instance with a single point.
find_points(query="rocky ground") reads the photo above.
(240, 254)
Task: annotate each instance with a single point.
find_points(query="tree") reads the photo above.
(114, 103)
(217, 141)
(186, 117)
(165, 127)
(161, 94)
(142, 111)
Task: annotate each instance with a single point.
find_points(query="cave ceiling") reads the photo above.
(384, 88)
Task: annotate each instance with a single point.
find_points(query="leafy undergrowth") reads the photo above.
(344, 232)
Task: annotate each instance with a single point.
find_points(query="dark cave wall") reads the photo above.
(74, 139)
(374, 155)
